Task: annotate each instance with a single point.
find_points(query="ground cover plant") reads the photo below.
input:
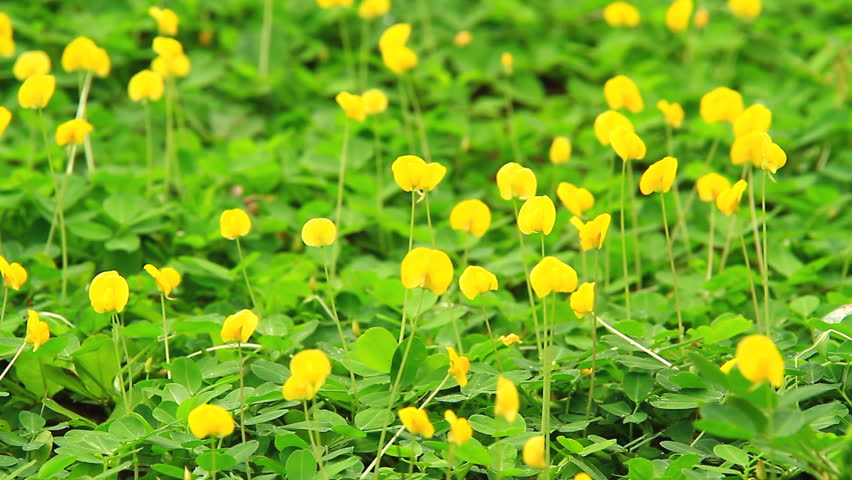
(426, 239)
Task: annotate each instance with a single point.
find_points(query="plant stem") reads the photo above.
(149, 147)
(728, 239)
(710, 242)
(750, 279)
(767, 324)
(314, 441)
(529, 285)
(265, 38)
(546, 387)
(752, 209)
(675, 289)
(245, 273)
(347, 48)
(634, 230)
(341, 174)
(624, 241)
(411, 224)
(406, 119)
(380, 181)
(682, 221)
(12, 361)
(166, 336)
(429, 219)
(170, 134)
(633, 342)
(510, 122)
(242, 392)
(343, 341)
(594, 329)
(213, 458)
(60, 214)
(418, 117)
(491, 338)
(362, 60)
(116, 338)
(5, 300)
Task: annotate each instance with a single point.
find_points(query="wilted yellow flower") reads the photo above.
(31, 63)
(395, 54)
(510, 339)
(326, 4)
(747, 9)
(459, 366)
(14, 274)
(621, 14)
(710, 186)
(583, 300)
(755, 118)
(353, 105)
(728, 201)
(506, 404)
(7, 43)
(659, 176)
(728, 366)
(552, 275)
(721, 105)
(145, 85)
(206, 420)
(371, 9)
(515, 181)
(36, 91)
(672, 111)
(608, 122)
(5, 118)
(533, 452)
(621, 92)
(627, 145)
(576, 199)
(507, 61)
(749, 148)
(167, 20)
(463, 38)
(375, 101)
(560, 150)
(308, 370)
(460, 430)
(427, 268)
(239, 327)
(38, 332)
(702, 17)
(476, 280)
(417, 421)
(413, 173)
(234, 223)
(471, 216)
(109, 292)
(319, 232)
(592, 233)
(677, 16)
(537, 215)
(73, 131)
(774, 157)
(758, 359)
(167, 279)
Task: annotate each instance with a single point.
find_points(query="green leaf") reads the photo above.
(731, 454)
(30, 421)
(805, 392)
(170, 470)
(375, 348)
(97, 364)
(185, 372)
(724, 429)
(570, 444)
(637, 386)
(598, 446)
(640, 469)
(805, 306)
(55, 465)
(243, 451)
(473, 452)
(301, 465)
(723, 328)
(416, 358)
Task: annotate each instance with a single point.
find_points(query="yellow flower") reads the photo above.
(462, 39)
(506, 404)
(621, 14)
(171, 66)
(99, 62)
(592, 233)
(515, 181)
(471, 216)
(167, 279)
(672, 111)
(395, 54)
(206, 420)
(560, 150)
(73, 131)
(308, 371)
(353, 105)
(582, 476)
(5, 118)
(728, 366)
(326, 4)
(239, 327)
(702, 17)
(773, 156)
(31, 63)
(7, 44)
(411, 172)
(370, 9)
(758, 359)
(427, 268)
(234, 223)
(755, 118)
(747, 9)
(728, 201)
(319, 232)
(608, 122)
(167, 47)
(710, 186)
(721, 105)
(476, 280)
(627, 145)
(14, 274)
(537, 215)
(552, 275)
(659, 176)
(460, 430)
(375, 101)
(36, 91)
(749, 148)
(507, 61)
(576, 199)
(167, 20)
(621, 92)
(459, 366)
(510, 339)
(677, 16)
(417, 421)
(38, 332)
(583, 300)
(109, 292)
(533, 452)
(145, 85)
(83, 54)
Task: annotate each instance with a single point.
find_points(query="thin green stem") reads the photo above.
(5, 301)
(727, 247)
(265, 38)
(418, 117)
(491, 338)
(634, 230)
(752, 210)
(406, 115)
(170, 134)
(12, 362)
(765, 271)
(213, 458)
(411, 224)
(710, 243)
(341, 174)
(347, 45)
(750, 279)
(546, 387)
(313, 434)
(529, 285)
(242, 392)
(59, 213)
(345, 343)
(149, 147)
(510, 122)
(624, 241)
(429, 220)
(166, 336)
(682, 221)
(116, 339)
(594, 331)
(675, 289)
(245, 273)
(380, 181)
(362, 60)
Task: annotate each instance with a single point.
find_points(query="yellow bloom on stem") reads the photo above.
(576, 199)
(533, 452)
(728, 366)
(375, 101)
(427, 268)
(308, 371)
(507, 61)
(463, 38)
(239, 327)
(583, 300)
(395, 54)
(592, 233)
(167, 279)
(620, 92)
(178, 66)
(99, 62)
(109, 292)
(460, 429)
(747, 9)
(475, 281)
(537, 215)
(326, 4)
(552, 275)
(411, 172)
(319, 232)
(471, 216)
(167, 20)
(621, 14)
(728, 201)
(83, 54)
(560, 150)
(510, 339)
(206, 420)
(702, 17)
(352, 105)
(146, 85)
(659, 176)
(167, 47)
(38, 332)
(417, 421)
(515, 181)
(370, 9)
(773, 157)
(7, 43)
(14, 274)
(31, 63)
(459, 366)
(73, 131)
(755, 118)
(721, 105)
(234, 223)
(608, 122)
(678, 14)
(710, 186)
(673, 113)
(749, 148)
(506, 404)
(627, 145)
(758, 359)
(36, 91)
(5, 118)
